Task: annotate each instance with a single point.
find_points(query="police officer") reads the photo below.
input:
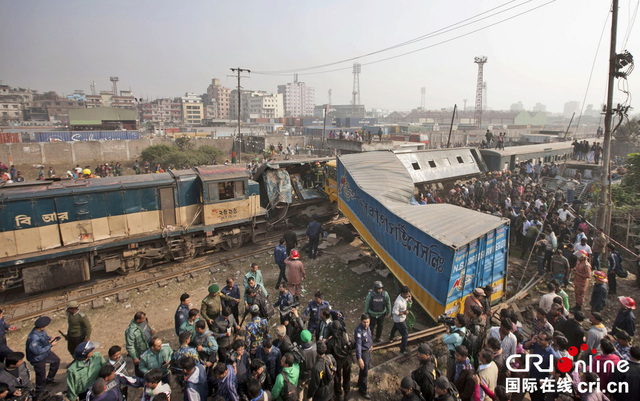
(182, 313)
(313, 310)
(364, 346)
(79, 329)
(205, 343)
(4, 327)
(83, 371)
(212, 306)
(314, 229)
(39, 354)
(137, 337)
(158, 356)
(377, 306)
(279, 255)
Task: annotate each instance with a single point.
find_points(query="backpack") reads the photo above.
(343, 345)
(470, 341)
(289, 391)
(618, 269)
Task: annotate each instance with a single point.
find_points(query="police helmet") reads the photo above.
(378, 285)
(83, 350)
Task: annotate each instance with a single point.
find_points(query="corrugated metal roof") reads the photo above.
(99, 114)
(440, 164)
(384, 176)
(222, 172)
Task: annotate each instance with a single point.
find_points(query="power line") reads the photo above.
(630, 26)
(426, 47)
(595, 57)
(446, 29)
(414, 51)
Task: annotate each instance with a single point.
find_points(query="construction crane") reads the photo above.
(481, 61)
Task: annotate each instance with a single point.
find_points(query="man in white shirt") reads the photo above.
(507, 338)
(400, 311)
(565, 212)
(583, 246)
(547, 299)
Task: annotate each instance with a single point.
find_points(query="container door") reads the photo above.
(167, 203)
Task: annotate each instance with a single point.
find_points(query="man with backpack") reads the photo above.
(377, 306)
(308, 351)
(425, 375)
(410, 390)
(340, 345)
(285, 387)
(321, 386)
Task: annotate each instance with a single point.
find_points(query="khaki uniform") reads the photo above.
(79, 329)
(212, 307)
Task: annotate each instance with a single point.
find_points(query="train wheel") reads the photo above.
(131, 265)
(232, 243)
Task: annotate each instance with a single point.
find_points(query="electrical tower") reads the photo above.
(423, 91)
(115, 80)
(478, 114)
(485, 96)
(356, 86)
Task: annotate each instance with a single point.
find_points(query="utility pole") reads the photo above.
(605, 203)
(453, 116)
(239, 71)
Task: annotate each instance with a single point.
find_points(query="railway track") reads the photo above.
(94, 292)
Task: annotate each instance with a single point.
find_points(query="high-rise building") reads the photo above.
(162, 111)
(570, 108)
(222, 97)
(299, 99)
(262, 105)
(192, 109)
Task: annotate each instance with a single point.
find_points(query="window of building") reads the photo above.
(432, 164)
(459, 158)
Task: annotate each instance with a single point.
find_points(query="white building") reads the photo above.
(266, 106)
(299, 99)
(192, 109)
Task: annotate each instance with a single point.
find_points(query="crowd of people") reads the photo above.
(582, 151)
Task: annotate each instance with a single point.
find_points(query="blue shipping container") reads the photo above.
(442, 252)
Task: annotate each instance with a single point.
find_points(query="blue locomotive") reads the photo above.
(53, 234)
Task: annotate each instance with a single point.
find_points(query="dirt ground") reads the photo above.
(333, 273)
(330, 273)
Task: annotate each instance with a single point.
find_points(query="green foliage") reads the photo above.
(628, 132)
(632, 179)
(177, 157)
(184, 143)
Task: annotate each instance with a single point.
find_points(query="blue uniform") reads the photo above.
(4, 349)
(279, 255)
(314, 229)
(39, 354)
(182, 314)
(313, 310)
(364, 342)
(233, 292)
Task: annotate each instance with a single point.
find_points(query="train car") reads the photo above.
(292, 191)
(442, 252)
(512, 156)
(57, 233)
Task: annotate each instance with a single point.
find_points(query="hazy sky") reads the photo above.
(163, 48)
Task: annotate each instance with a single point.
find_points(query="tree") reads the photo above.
(628, 132)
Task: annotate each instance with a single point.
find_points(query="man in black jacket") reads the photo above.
(631, 376)
(321, 386)
(425, 375)
(308, 351)
(340, 345)
(572, 329)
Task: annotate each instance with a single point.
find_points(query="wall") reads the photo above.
(90, 152)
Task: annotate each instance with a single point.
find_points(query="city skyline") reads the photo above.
(165, 49)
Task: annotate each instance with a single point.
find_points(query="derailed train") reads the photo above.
(53, 234)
